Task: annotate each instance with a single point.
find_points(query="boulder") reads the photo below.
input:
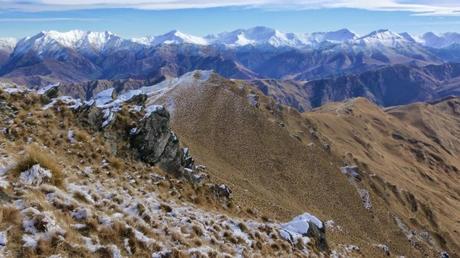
(304, 228)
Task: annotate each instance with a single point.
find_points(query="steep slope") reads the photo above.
(408, 156)
(107, 178)
(379, 183)
(275, 161)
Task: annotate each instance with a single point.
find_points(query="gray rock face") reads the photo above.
(319, 235)
(156, 143)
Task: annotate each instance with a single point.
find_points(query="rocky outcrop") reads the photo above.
(155, 142)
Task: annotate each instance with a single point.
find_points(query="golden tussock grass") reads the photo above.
(37, 155)
(82, 136)
(116, 163)
(9, 215)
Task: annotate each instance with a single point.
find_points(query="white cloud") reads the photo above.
(418, 7)
(57, 19)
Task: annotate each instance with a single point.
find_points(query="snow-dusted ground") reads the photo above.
(158, 225)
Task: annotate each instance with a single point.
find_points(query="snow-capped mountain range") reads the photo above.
(258, 52)
(95, 42)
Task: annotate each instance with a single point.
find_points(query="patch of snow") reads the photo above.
(36, 175)
(133, 131)
(104, 97)
(152, 109)
(3, 239)
(71, 136)
(366, 198)
(13, 90)
(161, 254)
(29, 241)
(43, 90)
(4, 183)
(127, 246)
(82, 190)
(253, 99)
(67, 100)
(135, 108)
(108, 117)
(351, 171)
(115, 251)
(298, 227)
(80, 213)
(87, 171)
(142, 238)
(90, 246)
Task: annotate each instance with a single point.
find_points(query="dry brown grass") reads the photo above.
(82, 135)
(9, 215)
(116, 163)
(34, 154)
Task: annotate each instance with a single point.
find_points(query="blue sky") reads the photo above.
(201, 17)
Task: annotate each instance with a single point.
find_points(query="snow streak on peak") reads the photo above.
(385, 38)
(84, 41)
(172, 37)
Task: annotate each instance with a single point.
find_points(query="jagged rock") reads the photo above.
(155, 142)
(171, 158)
(138, 100)
(188, 161)
(319, 235)
(49, 92)
(91, 115)
(221, 191)
(195, 176)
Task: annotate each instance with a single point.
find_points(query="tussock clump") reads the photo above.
(37, 155)
(82, 136)
(116, 163)
(9, 215)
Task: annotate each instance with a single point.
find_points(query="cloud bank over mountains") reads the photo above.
(418, 7)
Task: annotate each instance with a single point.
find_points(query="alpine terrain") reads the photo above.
(247, 143)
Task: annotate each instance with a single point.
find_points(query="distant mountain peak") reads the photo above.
(177, 37)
